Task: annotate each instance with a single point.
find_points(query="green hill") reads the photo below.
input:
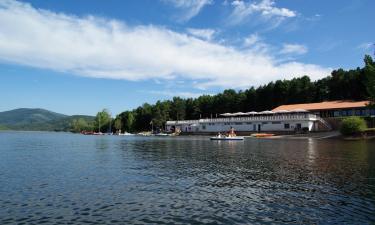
(37, 119)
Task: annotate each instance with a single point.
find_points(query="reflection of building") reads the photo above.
(333, 108)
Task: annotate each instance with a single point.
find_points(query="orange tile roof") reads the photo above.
(343, 104)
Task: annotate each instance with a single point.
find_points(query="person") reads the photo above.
(219, 135)
(231, 132)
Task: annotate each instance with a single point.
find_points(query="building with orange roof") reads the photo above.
(332, 108)
(285, 118)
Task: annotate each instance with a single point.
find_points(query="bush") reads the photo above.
(352, 125)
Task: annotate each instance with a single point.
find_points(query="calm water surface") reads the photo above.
(59, 178)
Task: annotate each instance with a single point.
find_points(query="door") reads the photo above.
(259, 127)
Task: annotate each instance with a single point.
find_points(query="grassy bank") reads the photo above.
(2, 127)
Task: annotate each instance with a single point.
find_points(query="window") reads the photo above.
(264, 122)
(238, 123)
(276, 122)
(286, 126)
(248, 123)
(204, 127)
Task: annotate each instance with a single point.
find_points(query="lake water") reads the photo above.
(61, 178)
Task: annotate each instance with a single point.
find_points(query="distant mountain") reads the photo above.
(37, 119)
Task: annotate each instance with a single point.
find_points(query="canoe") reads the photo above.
(226, 138)
(262, 135)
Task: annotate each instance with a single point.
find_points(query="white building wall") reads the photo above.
(253, 127)
(248, 124)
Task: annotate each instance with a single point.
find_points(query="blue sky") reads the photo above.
(80, 56)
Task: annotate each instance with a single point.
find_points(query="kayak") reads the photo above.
(226, 138)
(262, 135)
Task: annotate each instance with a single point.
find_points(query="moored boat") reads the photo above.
(161, 134)
(258, 135)
(225, 138)
(125, 134)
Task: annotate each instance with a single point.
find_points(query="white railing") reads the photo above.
(248, 118)
(182, 122)
(325, 123)
(261, 118)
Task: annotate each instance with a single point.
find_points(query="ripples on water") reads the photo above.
(58, 178)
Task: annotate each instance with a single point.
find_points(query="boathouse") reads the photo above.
(332, 108)
(266, 121)
(285, 118)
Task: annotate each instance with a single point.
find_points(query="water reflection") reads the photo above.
(311, 151)
(184, 180)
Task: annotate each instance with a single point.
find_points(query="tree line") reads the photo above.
(354, 84)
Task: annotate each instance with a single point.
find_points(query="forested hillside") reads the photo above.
(38, 119)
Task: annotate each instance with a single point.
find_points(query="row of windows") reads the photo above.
(286, 125)
(357, 112)
(248, 123)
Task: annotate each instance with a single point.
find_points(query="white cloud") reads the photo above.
(293, 49)
(182, 94)
(251, 40)
(365, 46)
(264, 9)
(101, 48)
(205, 34)
(191, 8)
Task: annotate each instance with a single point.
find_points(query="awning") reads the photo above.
(266, 112)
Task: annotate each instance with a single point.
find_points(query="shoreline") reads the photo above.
(333, 135)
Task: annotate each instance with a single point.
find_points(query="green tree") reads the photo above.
(369, 72)
(127, 121)
(143, 117)
(178, 108)
(352, 125)
(117, 123)
(79, 125)
(103, 120)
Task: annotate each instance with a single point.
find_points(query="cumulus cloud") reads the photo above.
(206, 34)
(190, 8)
(293, 49)
(101, 48)
(264, 9)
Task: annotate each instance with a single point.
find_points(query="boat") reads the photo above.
(225, 138)
(161, 134)
(91, 133)
(260, 135)
(125, 134)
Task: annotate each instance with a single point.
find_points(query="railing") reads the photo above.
(261, 118)
(182, 122)
(325, 123)
(249, 118)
